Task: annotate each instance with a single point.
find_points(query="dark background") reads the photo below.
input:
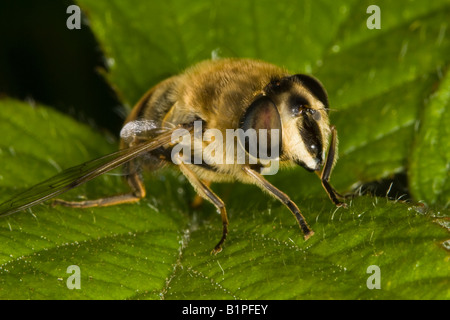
(42, 60)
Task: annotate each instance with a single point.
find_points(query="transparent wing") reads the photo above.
(75, 176)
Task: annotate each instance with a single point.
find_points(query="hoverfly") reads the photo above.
(222, 95)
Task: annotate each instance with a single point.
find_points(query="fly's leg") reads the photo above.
(326, 172)
(137, 193)
(198, 200)
(267, 186)
(206, 193)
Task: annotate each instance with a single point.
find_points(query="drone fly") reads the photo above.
(287, 112)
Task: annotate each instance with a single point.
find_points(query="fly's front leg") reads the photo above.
(326, 172)
(267, 186)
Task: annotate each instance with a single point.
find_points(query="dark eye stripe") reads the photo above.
(314, 86)
(311, 136)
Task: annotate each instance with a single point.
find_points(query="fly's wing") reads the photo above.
(75, 176)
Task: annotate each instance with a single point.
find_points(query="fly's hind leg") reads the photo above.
(136, 194)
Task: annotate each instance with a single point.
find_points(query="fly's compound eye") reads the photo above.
(263, 119)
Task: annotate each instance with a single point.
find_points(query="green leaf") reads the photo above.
(39, 245)
(379, 81)
(159, 248)
(429, 172)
